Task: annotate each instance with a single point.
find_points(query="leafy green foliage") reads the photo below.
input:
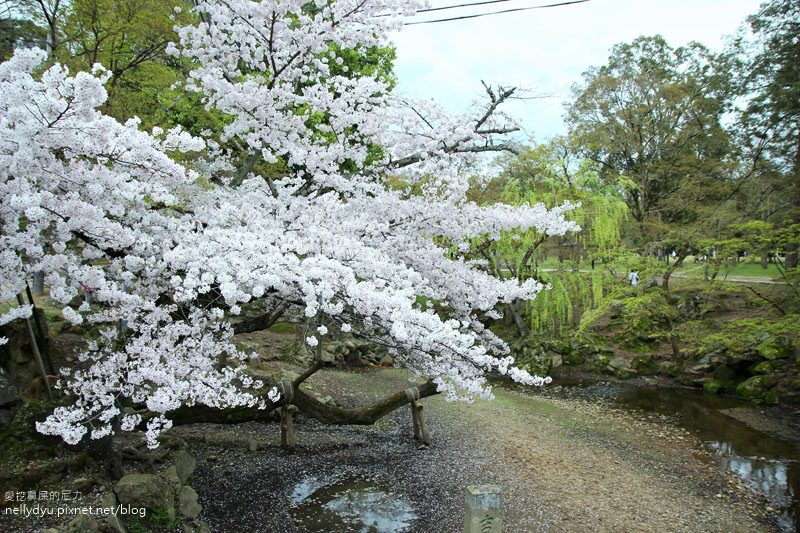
(129, 38)
(552, 174)
(637, 320)
(650, 120)
(769, 339)
(16, 32)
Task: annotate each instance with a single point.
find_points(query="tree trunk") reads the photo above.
(678, 261)
(42, 333)
(792, 248)
(791, 256)
(102, 450)
(52, 38)
(243, 171)
(363, 416)
(673, 341)
(519, 320)
(327, 414)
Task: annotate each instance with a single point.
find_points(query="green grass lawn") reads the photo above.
(745, 269)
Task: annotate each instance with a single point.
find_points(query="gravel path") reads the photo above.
(564, 464)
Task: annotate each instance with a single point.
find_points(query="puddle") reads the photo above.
(349, 504)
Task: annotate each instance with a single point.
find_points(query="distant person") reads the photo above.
(633, 278)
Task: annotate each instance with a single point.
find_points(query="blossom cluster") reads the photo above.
(91, 202)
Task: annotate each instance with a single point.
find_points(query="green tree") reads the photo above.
(129, 38)
(552, 174)
(769, 78)
(46, 14)
(19, 32)
(650, 118)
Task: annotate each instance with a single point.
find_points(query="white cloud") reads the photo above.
(545, 50)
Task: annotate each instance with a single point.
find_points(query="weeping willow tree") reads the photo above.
(558, 311)
(552, 175)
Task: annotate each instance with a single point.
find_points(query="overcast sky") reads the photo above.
(545, 50)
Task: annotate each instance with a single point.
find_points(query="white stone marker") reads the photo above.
(482, 509)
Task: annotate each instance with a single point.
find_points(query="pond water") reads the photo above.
(768, 464)
(349, 503)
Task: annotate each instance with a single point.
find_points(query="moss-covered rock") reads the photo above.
(774, 347)
(644, 363)
(669, 368)
(753, 339)
(712, 385)
(625, 373)
(574, 358)
(598, 362)
(9, 393)
(529, 356)
(764, 367)
(771, 397)
(755, 389)
(726, 377)
(621, 368)
(146, 490)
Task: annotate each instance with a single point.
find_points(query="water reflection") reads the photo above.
(349, 504)
(765, 463)
(770, 477)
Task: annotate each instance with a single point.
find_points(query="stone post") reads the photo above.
(482, 509)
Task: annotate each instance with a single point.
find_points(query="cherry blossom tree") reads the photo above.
(178, 249)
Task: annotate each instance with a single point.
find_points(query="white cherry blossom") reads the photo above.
(99, 205)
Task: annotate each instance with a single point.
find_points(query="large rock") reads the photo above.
(757, 389)
(723, 378)
(6, 418)
(146, 490)
(83, 523)
(197, 526)
(20, 355)
(9, 393)
(692, 305)
(531, 357)
(621, 367)
(112, 522)
(187, 502)
(712, 385)
(171, 475)
(772, 347)
(598, 362)
(644, 363)
(619, 363)
(670, 368)
(184, 465)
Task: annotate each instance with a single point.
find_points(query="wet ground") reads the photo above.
(569, 459)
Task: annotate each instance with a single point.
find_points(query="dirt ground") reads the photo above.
(563, 464)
